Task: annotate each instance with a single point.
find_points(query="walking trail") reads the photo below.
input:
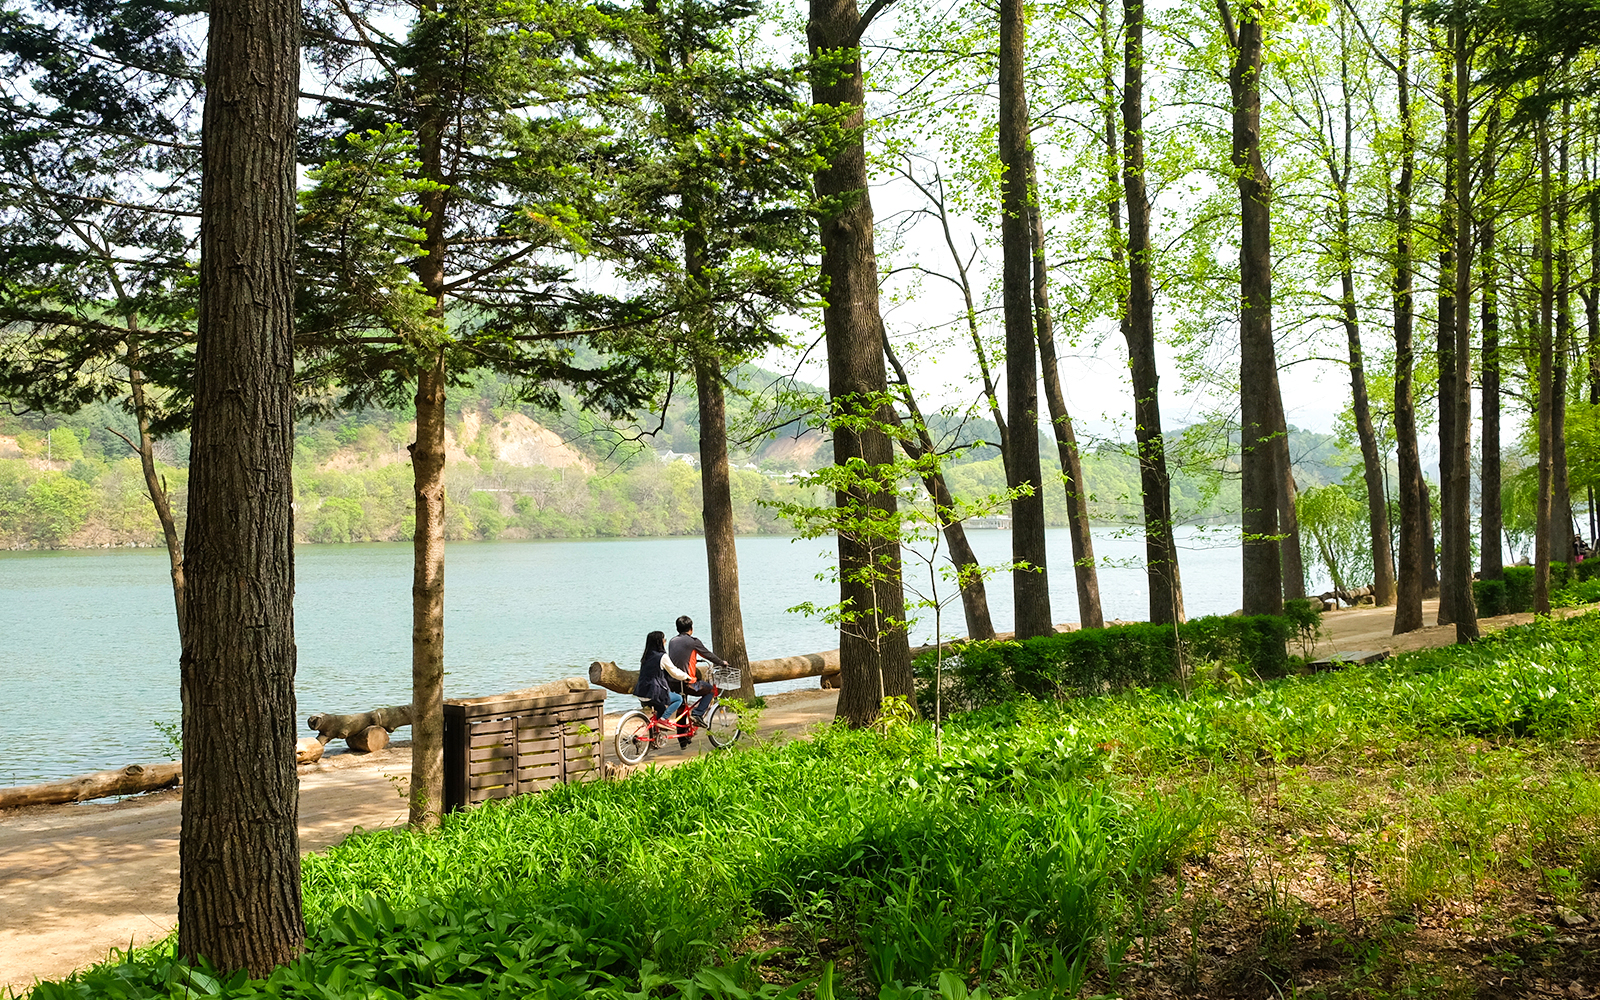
(77, 881)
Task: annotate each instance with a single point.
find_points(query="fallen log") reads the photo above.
(369, 740)
(128, 780)
(604, 673)
(342, 727)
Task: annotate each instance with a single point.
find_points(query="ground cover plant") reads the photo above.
(1428, 826)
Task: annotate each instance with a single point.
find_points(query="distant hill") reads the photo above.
(515, 471)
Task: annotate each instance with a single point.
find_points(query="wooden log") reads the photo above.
(603, 673)
(369, 740)
(342, 727)
(308, 750)
(128, 780)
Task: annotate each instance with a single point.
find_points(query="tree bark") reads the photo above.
(871, 668)
(1294, 573)
(1139, 330)
(1260, 473)
(1446, 351)
(1541, 541)
(974, 595)
(1085, 575)
(1560, 477)
(1030, 582)
(722, 557)
(1491, 564)
(1361, 407)
(239, 858)
(1408, 589)
(1458, 512)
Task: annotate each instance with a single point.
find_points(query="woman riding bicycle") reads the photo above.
(654, 669)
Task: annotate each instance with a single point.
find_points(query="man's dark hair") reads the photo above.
(685, 623)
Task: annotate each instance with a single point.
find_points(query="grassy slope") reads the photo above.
(1420, 827)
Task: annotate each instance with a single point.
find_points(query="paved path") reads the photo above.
(77, 881)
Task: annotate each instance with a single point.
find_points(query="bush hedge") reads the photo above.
(1513, 593)
(1098, 660)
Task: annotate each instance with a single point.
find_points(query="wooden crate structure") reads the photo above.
(496, 747)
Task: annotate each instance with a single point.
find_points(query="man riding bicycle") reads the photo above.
(685, 652)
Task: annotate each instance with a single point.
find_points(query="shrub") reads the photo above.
(1096, 661)
(1490, 597)
(1519, 589)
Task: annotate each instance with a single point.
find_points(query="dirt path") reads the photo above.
(78, 881)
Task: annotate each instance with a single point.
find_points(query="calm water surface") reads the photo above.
(89, 654)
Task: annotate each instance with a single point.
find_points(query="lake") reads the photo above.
(89, 661)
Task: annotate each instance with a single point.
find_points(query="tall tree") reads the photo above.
(1139, 330)
(1085, 575)
(969, 574)
(97, 213)
(239, 858)
(852, 323)
(727, 172)
(1491, 560)
(499, 206)
(1030, 582)
(1413, 503)
(1457, 515)
(1260, 472)
(1448, 391)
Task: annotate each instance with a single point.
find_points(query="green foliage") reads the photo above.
(1100, 660)
(1490, 597)
(1333, 529)
(982, 862)
(1519, 589)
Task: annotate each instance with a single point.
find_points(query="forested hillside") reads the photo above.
(517, 472)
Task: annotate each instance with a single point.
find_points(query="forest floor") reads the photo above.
(78, 881)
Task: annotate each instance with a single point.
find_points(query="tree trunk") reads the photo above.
(239, 858)
(1560, 478)
(1366, 433)
(1030, 582)
(1430, 551)
(427, 601)
(1541, 541)
(426, 794)
(1139, 330)
(1294, 573)
(1491, 564)
(1445, 354)
(974, 595)
(1260, 473)
(154, 484)
(1458, 513)
(870, 668)
(1409, 580)
(722, 558)
(1085, 574)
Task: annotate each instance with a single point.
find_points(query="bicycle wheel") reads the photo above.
(722, 727)
(633, 737)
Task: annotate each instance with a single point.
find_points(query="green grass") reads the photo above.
(1286, 834)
